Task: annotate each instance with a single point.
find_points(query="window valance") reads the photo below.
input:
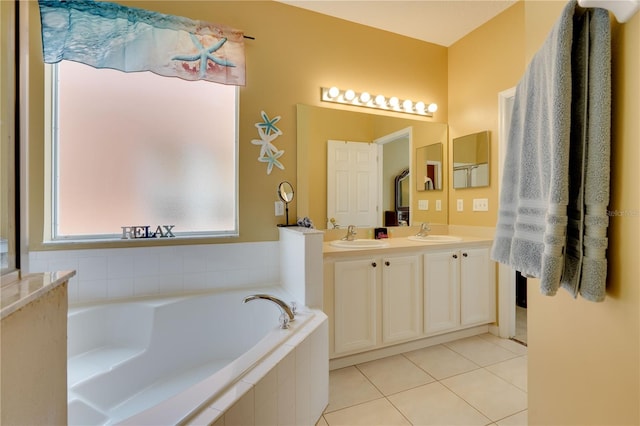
(108, 35)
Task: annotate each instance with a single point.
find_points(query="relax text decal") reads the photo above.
(135, 232)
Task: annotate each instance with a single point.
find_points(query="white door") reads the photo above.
(352, 183)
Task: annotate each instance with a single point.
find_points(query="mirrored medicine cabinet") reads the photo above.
(471, 160)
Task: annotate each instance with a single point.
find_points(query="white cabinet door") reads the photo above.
(401, 305)
(441, 291)
(355, 305)
(477, 287)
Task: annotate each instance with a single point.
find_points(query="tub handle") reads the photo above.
(284, 321)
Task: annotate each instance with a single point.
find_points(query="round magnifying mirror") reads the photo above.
(285, 191)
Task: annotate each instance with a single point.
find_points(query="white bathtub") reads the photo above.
(196, 359)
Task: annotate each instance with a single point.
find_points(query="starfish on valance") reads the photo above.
(109, 35)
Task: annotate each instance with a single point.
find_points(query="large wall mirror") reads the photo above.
(316, 126)
(471, 160)
(429, 168)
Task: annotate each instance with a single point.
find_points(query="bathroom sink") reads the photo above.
(435, 238)
(359, 244)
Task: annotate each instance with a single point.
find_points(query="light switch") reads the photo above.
(438, 205)
(480, 204)
(279, 208)
(460, 204)
(423, 204)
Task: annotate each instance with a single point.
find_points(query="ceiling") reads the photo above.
(435, 21)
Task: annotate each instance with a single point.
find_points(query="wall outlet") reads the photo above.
(438, 205)
(460, 205)
(480, 204)
(423, 204)
(279, 208)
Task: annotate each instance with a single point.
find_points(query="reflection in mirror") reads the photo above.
(317, 125)
(403, 189)
(429, 168)
(471, 160)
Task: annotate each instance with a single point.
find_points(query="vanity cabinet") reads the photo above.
(376, 301)
(399, 295)
(459, 289)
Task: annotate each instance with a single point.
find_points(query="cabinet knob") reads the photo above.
(374, 264)
(387, 263)
(465, 254)
(455, 256)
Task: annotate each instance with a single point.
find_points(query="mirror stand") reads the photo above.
(285, 192)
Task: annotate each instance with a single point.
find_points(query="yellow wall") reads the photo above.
(482, 64)
(295, 52)
(584, 357)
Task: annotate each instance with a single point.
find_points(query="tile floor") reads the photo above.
(480, 380)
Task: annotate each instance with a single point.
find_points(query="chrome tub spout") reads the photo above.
(287, 313)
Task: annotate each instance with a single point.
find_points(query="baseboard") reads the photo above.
(349, 360)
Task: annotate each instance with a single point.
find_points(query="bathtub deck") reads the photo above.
(163, 389)
(98, 361)
(146, 398)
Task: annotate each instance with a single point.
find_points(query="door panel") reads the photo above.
(352, 188)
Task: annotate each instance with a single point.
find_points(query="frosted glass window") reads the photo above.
(137, 149)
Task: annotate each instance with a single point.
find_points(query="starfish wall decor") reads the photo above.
(268, 132)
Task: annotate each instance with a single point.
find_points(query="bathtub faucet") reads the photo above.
(287, 313)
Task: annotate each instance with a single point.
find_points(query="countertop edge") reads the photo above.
(29, 288)
(402, 244)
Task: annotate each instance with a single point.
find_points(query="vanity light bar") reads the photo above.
(365, 99)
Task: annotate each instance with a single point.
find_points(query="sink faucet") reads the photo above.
(351, 233)
(287, 313)
(424, 230)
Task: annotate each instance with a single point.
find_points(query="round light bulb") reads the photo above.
(407, 105)
(334, 92)
(420, 106)
(380, 100)
(432, 107)
(365, 97)
(349, 95)
(394, 102)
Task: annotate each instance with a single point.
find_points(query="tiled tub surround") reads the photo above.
(122, 273)
(288, 379)
(150, 361)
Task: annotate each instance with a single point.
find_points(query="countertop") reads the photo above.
(19, 293)
(404, 244)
